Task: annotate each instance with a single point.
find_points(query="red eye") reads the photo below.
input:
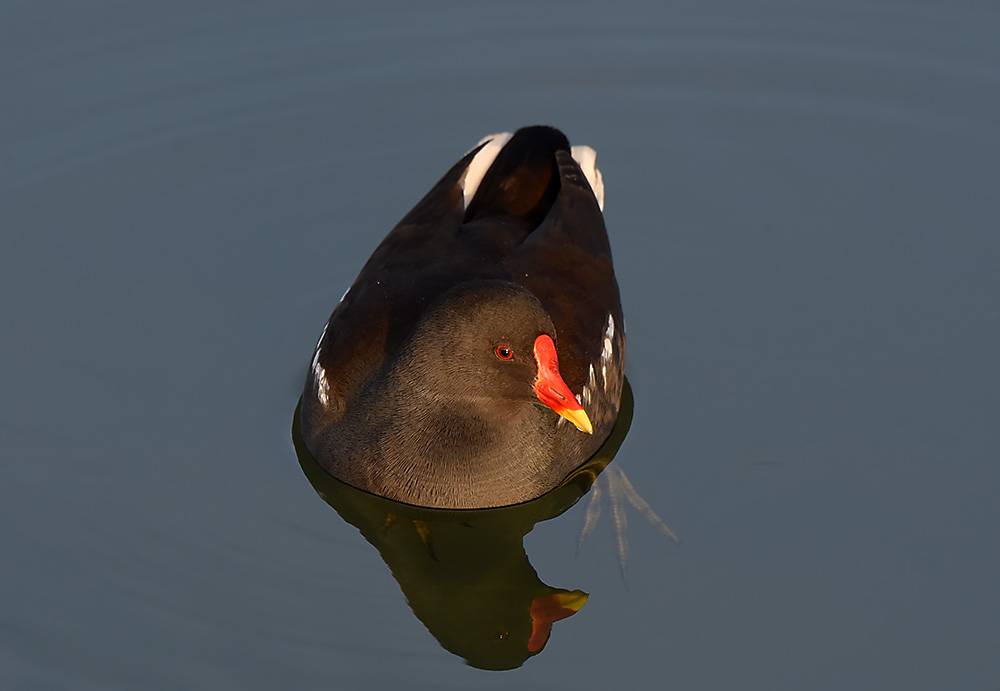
(504, 353)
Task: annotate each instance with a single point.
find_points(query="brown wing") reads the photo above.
(566, 263)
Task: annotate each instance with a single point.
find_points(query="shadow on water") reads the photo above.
(465, 573)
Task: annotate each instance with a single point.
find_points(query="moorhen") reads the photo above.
(478, 357)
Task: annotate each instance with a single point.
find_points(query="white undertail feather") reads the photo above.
(587, 160)
(585, 156)
(481, 162)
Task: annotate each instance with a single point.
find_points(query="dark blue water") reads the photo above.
(802, 202)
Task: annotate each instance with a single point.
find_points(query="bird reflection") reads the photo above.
(465, 573)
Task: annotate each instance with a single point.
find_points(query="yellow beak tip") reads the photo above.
(579, 419)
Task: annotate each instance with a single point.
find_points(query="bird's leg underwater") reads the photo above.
(619, 489)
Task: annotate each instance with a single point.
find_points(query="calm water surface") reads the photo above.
(802, 201)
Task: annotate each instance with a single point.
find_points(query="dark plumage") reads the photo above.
(411, 394)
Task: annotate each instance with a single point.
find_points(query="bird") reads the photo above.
(478, 357)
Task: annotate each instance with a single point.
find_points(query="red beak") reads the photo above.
(552, 390)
